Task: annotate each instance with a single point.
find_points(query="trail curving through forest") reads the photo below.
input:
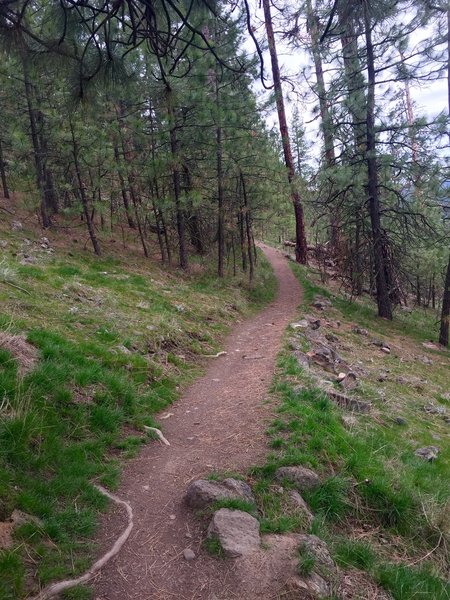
(218, 425)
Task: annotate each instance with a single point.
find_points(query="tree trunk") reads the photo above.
(383, 299)
(123, 189)
(248, 228)
(3, 173)
(445, 315)
(301, 250)
(181, 218)
(220, 199)
(83, 195)
(38, 159)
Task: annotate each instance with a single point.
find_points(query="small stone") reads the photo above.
(172, 517)
(237, 532)
(341, 377)
(313, 586)
(360, 331)
(124, 349)
(314, 324)
(3, 243)
(303, 324)
(332, 338)
(379, 343)
(386, 350)
(16, 226)
(188, 554)
(428, 453)
(303, 478)
(302, 359)
(318, 549)
(400, 421)
(425, 360)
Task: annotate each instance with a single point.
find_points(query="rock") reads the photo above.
(434, 410)
(202, 493)
(360, 331)
(349, 382)
(237, 532)
(302, 359)
(303, 324)
(303, 478)
(425, 360)
(428, 453)
(16, 226)
(124, 349)
(341, 377)
(295, 343)
(330, 337)
(3, 243)
(400, 421)
(386, 350)
(314, 324)
(323, 357)
(300, 505)
(188, 554)
(378, 343)
(313, 586)
(319, 549)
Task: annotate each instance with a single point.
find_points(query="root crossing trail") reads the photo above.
(219, 424)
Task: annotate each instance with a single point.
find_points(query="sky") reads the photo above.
(430, 99)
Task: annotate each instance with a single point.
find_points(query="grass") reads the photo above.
(118, 340)
(371, 481)
(213, 546)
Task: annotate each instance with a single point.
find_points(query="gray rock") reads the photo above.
(303, 324)
(301, 505)
(315, 324)
(386, 350)
(313, 586)
(318, 549)
(360, 331)
(425, 360)
(237, 532)
(432, 409)
(16, 226)
(330, 337)
(3, 243)
(378, 343)
(428, 453)
(302, 359)
(301, 477)
(202, 493)
(400, 421)
(349, 382)
(188, 554)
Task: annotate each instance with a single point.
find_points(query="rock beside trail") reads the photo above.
(300, 505)
(237, 532)
(202, 493)
(310, 588)
(318, 549)
(428, 453)
(272, 572)
(302, 359)
(301, 477)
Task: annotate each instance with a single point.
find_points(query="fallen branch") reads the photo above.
(57, 588)
(159, 433)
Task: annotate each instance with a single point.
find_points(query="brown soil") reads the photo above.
(218, 425)
(23, 352)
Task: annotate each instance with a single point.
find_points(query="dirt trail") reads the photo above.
(218, 424)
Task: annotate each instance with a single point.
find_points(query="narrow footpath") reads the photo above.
(218, 425)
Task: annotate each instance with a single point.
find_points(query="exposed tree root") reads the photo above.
(158, 433)
(214, 355)
(57, 588)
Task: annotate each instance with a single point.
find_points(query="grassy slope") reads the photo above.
(382, 509)
(117, 338)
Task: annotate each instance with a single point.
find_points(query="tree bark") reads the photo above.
(3, 173)
(123, 189)
(37, 151)
(181, 218)
(445, 314)
(301, 250)
(383, 299)
(83, 195)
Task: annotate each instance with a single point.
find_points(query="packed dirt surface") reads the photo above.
(218, 425)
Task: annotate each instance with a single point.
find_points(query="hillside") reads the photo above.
(90, 350)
